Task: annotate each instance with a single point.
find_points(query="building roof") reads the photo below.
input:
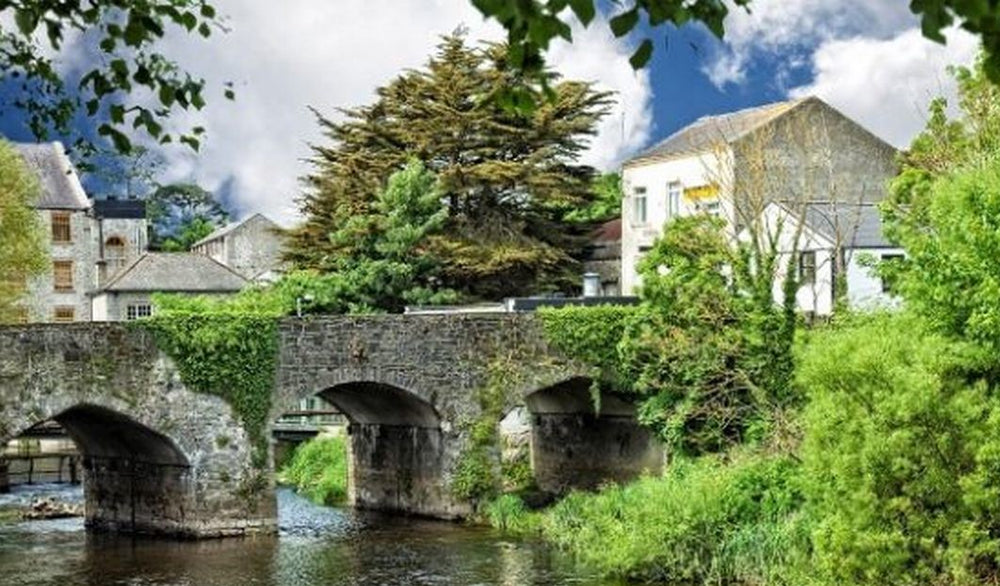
(859, 224)
(127, 209)
(231, 227)
(707, 132)
(61, 188)
(176, 272)
(610, 231)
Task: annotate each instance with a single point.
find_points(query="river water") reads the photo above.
(316, 546)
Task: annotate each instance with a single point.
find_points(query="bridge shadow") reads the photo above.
(577, 443)
(135, 479)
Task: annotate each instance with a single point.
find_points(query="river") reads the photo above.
(315, 546)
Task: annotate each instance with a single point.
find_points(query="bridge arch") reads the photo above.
(577, 443)
(135, 478)
(398, 456)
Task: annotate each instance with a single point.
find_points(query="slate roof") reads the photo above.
(708, 131)
(129, 209)
(228, 228)
(178, 272)
(61, 188)
(860, 225)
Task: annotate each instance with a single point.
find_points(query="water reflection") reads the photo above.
(316, 545)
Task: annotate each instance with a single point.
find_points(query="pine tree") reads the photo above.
(508, 178)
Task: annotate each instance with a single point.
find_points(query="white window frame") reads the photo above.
(674, 191)
(640, 202)
(134, 311)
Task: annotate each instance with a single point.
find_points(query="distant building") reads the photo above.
(88, 239)
(251, 247)
(128, 295)
(800, 154)
(604, 257)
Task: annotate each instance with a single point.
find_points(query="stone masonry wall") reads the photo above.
(158, 457)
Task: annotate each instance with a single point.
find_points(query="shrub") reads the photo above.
(705, 521)
(901, 456)
(318, 470)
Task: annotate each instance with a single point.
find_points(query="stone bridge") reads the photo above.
(162, 458)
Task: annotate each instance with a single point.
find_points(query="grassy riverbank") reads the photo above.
(318, 470)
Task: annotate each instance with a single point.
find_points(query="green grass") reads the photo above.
(704, 522)
(318, 470)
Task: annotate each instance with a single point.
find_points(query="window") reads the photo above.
(114, 254)
(889, 262)
(61, 232)
(64, 314)
(711, 208)
(140, 310)
(62, 275)
(639, 206)
(674, 191)
(807, 267)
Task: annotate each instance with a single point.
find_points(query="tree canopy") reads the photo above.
(182, 214)
(508, 178)
(127, 66)
(943, 210)
(22, 244)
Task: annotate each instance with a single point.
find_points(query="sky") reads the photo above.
(865, 57)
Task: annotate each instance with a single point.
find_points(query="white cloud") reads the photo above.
(886, 85)
(786, 28)
(284, 57)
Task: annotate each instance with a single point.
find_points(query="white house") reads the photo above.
(743, 164)
(818, 233)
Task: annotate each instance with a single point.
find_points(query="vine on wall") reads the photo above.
(591, 335)
(232, 356)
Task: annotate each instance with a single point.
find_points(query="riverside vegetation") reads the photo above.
(865, 450)
(862, 451)
(318, 470)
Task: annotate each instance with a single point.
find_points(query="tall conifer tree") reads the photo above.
(508, 177)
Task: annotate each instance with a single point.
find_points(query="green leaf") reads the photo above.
(640, 58)
(27, 20)
(624, 22)
(584, 10)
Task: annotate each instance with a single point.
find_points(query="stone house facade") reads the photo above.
(77, 232)
(796, 155)
(251, 247)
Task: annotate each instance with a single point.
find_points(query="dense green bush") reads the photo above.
(318, 470)
(901, 456)
(705, 522)
(708, 352)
